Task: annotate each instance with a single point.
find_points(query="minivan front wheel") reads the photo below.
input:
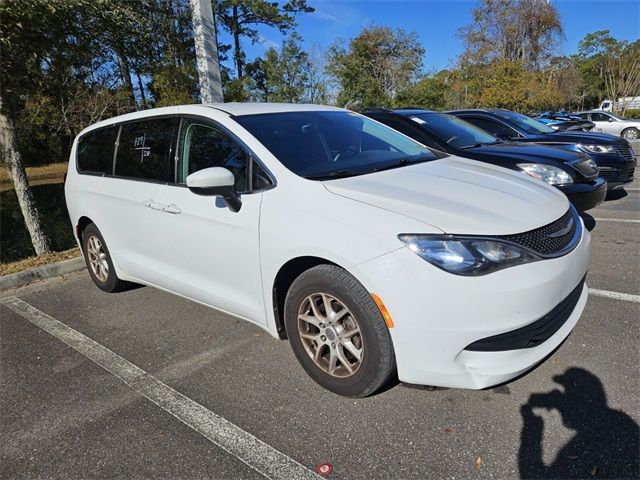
(99, 261)
(338, 333)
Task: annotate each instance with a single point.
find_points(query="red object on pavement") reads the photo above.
(324, 469)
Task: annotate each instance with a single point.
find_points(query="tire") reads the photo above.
(630, 133)
(355, 327)
(99, 262)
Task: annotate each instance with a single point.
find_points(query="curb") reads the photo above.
(19, 279)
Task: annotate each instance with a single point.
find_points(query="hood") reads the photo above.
(458, 196)
(531, 153)
(572, 136)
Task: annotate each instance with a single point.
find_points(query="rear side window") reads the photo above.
(95, 151)
(145, 149)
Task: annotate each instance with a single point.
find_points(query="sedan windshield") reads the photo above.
(525, 123)
(453, 130)
(324, 144)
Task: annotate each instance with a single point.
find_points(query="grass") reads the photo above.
(51, 171)
(32, 262)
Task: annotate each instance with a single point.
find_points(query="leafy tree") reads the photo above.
(511, 85)
(281, 76)
(375, 66)
(429, 92)
(525, 31)
(240, 18)
(615, 63)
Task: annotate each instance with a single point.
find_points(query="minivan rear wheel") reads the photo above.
(338, 333)
(98, 260)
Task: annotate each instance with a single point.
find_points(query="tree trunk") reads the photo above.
(23, 191)
(141, 88)
(125, 72)
(236, 41)
(207, 62)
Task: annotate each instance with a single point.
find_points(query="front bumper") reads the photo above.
(616, 171)
(585, 196)
(437, 315)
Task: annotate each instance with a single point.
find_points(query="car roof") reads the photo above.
(405, 111)
(245, 108)
(231, 108)
(477, 110)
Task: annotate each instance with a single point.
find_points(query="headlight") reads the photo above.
(596, 148)
(546, 173)
(467, 255)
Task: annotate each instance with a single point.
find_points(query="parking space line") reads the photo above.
(247, 448)
(632, 189)
(615, 295)
(619, 220)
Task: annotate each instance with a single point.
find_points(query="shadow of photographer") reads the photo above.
(606, 442)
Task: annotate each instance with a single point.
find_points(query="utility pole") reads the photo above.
(204, 36)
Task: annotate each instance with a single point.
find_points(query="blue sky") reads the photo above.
(437, 22)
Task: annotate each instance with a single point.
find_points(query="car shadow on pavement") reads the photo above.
(589, 221)
(606, 442)
(616, 194)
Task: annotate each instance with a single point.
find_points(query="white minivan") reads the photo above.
(375, 256)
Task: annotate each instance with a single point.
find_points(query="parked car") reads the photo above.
(573, 173)
(370, 252)
(563, 121)
(613, 124)
(614, 156)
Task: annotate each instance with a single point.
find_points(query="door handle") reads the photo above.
(153, 205)
(173, 208)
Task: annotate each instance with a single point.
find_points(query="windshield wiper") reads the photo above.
(333, 175)
(476, 145)
(403, 162)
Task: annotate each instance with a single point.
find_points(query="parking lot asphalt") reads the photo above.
(64, 416)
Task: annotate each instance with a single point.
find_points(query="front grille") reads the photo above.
(535, 333)
(625, 151)
(586, 169)
(551, 239)
(614, 175)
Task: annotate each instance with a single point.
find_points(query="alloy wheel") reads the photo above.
(632, 134)
(97, 258)
(331, 335)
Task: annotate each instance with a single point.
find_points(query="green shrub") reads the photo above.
(632, 113)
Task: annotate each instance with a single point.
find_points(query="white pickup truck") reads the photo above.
(627, 102)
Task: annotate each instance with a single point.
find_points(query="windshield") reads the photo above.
(453, 130)
(525, 123)
(325, 144)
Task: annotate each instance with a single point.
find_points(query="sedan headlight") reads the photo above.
(596, 148)
(547, 173)
(467, 255)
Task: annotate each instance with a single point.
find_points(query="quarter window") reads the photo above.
(205, 146)
(95, 151)
(145, 149)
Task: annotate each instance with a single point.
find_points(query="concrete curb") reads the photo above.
(19, 279)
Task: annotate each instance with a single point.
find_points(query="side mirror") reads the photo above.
(503, 136)
(611, 120)
(216, 181)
